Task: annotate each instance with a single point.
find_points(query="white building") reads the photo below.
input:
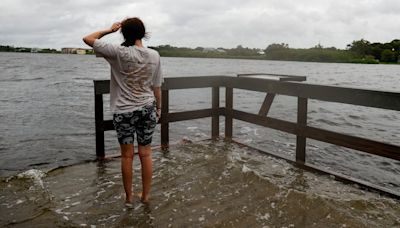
(35, 50)
(79, 51)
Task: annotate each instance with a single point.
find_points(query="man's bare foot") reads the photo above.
(143, 199)
(128, 200)
(129, 205)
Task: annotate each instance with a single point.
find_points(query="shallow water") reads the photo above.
(207, 184)
(47, 122)
(47, 115)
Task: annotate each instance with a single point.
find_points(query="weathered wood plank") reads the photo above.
(352, 142)
(228, 113)
(189, 115)
(101, 86)
(266, 105)
(273, 123)
(164, 119)
(108, 125)
(362, 97)
(192, 82)
(369, 98)
(302, 122)
(99, 116)
(215, 113)
(280, 77)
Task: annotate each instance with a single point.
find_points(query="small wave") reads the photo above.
(14, 101)
(33, 140)
(327, 122)
(355, 117)
(349, 124)
(65, 71)
(13, 67)
(323, 110)
(185, 140)
(34, 174)
(246, 169)
(22, 79)
(389, 117)
(248, 130)
(392, 184)
(55, 136)
(58, 83)
(84, 79)
(379, 129)
(39, 164)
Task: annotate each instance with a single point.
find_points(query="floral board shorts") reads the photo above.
(142, 122)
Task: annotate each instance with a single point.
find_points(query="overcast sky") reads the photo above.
(205, 23)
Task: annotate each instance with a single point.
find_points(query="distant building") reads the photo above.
(261, 52)
(68, 50)
(207, 49)
(79, 51)
(221, 50)
(36, 50)
(22, 49)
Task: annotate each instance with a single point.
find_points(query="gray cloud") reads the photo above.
(251, 23)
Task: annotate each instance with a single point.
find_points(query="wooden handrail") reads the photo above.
(303, 92)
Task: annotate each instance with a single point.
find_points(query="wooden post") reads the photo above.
(215, 113)
(99, 119)
(269, 98)
(301, 122)
(229, 113)
(164, 120)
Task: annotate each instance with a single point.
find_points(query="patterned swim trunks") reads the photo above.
(142, 121)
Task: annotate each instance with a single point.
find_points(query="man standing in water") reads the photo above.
(135, 96)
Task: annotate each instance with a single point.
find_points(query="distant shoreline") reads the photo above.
(258, 57)
(359, 51)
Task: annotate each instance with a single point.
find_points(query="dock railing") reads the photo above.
(303, 92)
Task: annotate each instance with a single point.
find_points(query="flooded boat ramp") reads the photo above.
(206, 184)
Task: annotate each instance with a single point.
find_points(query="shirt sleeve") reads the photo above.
(104, 49)
(158, 78)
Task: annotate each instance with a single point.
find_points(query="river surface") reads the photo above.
(47, 112)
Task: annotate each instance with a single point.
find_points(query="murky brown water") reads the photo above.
(203, 184)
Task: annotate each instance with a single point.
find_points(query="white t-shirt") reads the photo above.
(134, 73)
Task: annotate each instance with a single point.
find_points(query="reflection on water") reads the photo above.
(208, 184)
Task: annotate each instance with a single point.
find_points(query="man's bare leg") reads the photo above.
(127, 151)
(147, 171)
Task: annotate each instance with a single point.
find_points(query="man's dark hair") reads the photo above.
(132, 29)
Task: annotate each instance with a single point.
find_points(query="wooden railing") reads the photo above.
(303, 92)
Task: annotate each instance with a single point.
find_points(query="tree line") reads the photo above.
(359, 51)
(8, 48)
(386, 52)
(199, 52)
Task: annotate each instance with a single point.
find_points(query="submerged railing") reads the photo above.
(303, 92)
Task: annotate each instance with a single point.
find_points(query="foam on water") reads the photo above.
(35, 175)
